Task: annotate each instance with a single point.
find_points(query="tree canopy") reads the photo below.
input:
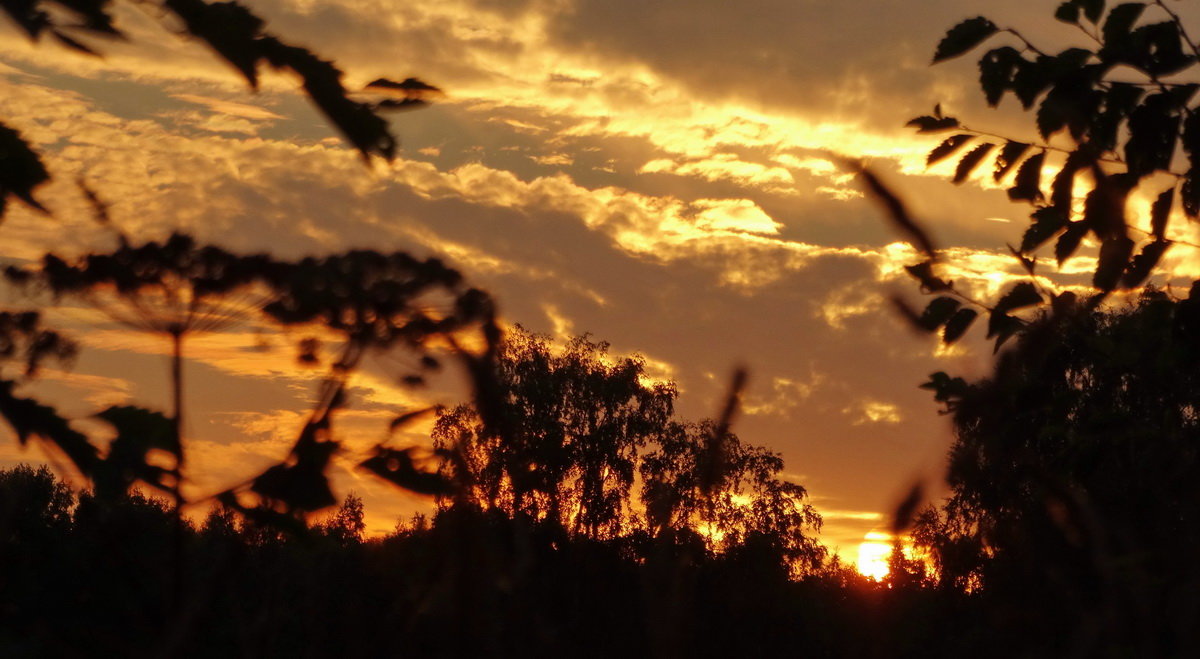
(1074, 465)
(585, 426)
(1114, 115)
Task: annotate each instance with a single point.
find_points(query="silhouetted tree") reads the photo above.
(346, 525)
(32, 502)
(1074, 465)
(576, 422)
(1076, 479)
(748, 503)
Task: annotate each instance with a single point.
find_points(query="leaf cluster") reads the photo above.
(372, 301)
(1125, 117)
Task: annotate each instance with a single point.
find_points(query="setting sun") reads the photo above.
(873, 555)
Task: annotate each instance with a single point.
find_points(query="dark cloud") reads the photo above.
(860, 60)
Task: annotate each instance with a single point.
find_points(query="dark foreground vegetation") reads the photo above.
(85, 579)
(1071, 532)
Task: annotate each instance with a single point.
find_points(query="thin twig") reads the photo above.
(1028, 45)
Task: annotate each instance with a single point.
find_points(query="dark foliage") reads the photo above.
(584, 427)
(1075, 476)
(364, 301)
(84, 577)
(1112, 118)
(575, 428)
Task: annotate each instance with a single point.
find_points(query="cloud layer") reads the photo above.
(656, 174)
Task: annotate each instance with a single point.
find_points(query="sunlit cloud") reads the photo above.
(784, 395)
(243, 110)
(596, 172)
(96, 390)
(873, 411)
(726, 166)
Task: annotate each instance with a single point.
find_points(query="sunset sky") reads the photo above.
(655, 173)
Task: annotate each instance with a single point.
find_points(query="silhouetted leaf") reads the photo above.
(963, 37)
(367, 131)
(1120, 22)
(946, 389)
(1072, 103)
(1069, 241)
(1143, 264)
(996, 71)
(923, 272)
(1159, 49)
(30, 418)
(23, 338)
(938, 312)
(28, 16)
(1031, 79)
(408, 87)
(1069, 66)
(265, 517)
(1024, 294)
(399, 467)
(230, 29)
(1153, 130)
(1190, 193)
(1002, 327)
(1116, 105)
(21, 171)
(99, 208)
(1067, 12)
(1160, 212)
(1092, 9)
(958, 325)
(400, 104)
(74, 44)
(309, 349)
(970, 161)
(896, 210)
(1104, 207)
(1114, 257)
(409, 417)
(301, 487)
(138, 432)
(1047, 222)
(1029, 265)
(140, 427)
(1010, 154)
(946, 148)
(1027, 185)
(1062, 190)
(1064, 302)
(927, 124)
(906, 510)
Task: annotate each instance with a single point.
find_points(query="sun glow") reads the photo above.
(873, 555)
